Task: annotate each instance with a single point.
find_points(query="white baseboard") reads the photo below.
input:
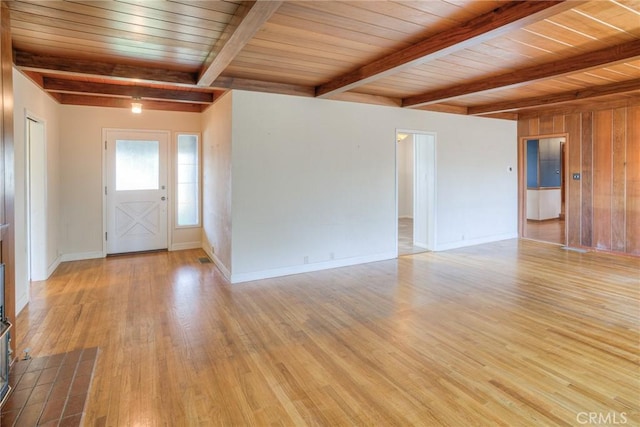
(53, 267)
(185, 246)
(478, 241)
(223, 268)
(78, 256)
(306, 268)
(22, 302)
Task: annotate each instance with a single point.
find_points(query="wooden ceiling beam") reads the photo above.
(249, 18)
(78, 67)
(626, 100)
(508, 17)
(561, 67)
(228, 83)
(558, 98)
(53, 84)
(106, 101)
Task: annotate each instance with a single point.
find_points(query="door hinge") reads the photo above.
(105, 145)
(105, 236)
(105, 190)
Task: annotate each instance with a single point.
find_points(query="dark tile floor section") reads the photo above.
(49, 390)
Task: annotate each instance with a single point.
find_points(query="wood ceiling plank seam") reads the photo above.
(632, 66)
(320, 16)
(42, 24)
(371, 17)
(293, 36)
(621, 20)
(564, 29)
(580, 106)
(266, 65)
(558, 98)
(300, 65)
(125, 10)
(105, 49)
(71, 37)
(123, 22)
(477, 66)
(625, 8)
(284, 20)
(403, 13)
(459, 13)
(571, 65)
(225, 7)
(180, 10)
(590, 27)
(348, 55)
(532, 54)
(507, 17)
(543, 44)
(430, 75)
(84, 22)
(601, 76)
(621, 73)
(283, 54)
(498, 52)
(475, 59)
(589, 79)
(550, 30)
(549, 38)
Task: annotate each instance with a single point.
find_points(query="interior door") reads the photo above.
(136, 191)
(424, 201)
(36, 200)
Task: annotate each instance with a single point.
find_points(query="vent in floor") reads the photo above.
(204, 260)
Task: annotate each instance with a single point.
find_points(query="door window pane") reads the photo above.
(137, 165)
(188, 208)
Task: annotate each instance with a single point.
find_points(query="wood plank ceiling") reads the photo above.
(461, 56)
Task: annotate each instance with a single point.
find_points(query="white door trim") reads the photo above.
(170, 193)
(37, 268)
(433, 185)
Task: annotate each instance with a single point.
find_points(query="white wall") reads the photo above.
(81, 148)
(216, 182)
(405, 177)
(28, 98)
(313, 182)
(544, 204)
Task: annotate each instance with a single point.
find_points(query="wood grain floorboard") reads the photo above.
(513, 333)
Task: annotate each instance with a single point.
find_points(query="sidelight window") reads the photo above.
(188, 181)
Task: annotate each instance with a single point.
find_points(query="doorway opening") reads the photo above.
(415, 191)
(36, 200)
(544, 190)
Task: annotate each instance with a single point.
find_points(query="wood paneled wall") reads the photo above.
(603, 207)
(7, 169)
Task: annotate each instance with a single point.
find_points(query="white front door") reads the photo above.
(136, 191)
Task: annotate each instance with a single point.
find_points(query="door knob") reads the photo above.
(163, 198)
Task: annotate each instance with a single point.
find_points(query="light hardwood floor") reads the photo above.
(552, 231)
(405, 238)
(513, 333)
